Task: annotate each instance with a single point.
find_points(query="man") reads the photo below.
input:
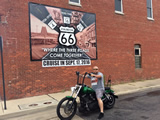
(98, 86)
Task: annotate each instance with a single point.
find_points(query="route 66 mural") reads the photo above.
(61, 37)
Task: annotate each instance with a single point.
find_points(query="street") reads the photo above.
(143, 105)
(137, 106)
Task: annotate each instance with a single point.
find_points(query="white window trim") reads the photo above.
(120, 12)
(76, 4)
(151, 18)
(139, 51)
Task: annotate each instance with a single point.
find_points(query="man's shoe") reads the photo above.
(101, 115)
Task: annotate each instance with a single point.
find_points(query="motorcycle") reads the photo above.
(67, 107)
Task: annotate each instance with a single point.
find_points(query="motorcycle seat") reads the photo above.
(107, 88)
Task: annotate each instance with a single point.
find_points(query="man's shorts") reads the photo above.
(99, 93)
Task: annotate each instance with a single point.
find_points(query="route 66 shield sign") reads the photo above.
(67, 36)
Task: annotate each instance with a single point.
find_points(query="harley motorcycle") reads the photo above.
(67, 107)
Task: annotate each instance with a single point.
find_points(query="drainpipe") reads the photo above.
(4, 93)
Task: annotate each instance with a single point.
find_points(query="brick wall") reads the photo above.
(116, 36)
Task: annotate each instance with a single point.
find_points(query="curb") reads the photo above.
(136, 90)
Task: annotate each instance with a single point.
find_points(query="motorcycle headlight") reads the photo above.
(72, 88)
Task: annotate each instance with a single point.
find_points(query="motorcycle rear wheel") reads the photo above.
(110, 103)
(64, 112)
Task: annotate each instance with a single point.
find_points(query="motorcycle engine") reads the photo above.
(94, 105)
(90, 100)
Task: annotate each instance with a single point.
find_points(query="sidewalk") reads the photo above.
(30, 103)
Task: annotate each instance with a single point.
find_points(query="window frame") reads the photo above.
(139, 49)
(151, 10)
(119, 12)
(75, 3)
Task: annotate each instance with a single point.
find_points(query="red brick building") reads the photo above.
(128, 45)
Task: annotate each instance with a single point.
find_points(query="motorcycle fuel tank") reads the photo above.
(87, 89)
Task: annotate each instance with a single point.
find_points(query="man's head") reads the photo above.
(95, 69)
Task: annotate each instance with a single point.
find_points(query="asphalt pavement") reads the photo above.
(51, 100)
(141, 105)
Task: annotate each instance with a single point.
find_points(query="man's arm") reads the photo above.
(83, 75)
(97, 76)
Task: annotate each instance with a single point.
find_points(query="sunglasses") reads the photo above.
(95, 69)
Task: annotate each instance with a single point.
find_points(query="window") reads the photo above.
(137, 52)
(75, 2)
(137, 49)
(149, 10)
(0, 18)
(118, 6)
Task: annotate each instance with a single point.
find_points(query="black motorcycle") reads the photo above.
(67, 107)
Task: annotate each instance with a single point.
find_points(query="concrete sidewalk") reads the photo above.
(30, 103)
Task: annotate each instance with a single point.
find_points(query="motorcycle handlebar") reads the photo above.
(78, 73)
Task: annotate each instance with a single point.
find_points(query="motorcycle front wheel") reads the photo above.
(66, 109)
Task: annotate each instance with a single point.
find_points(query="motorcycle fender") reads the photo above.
(69, 97)
(115, 96)
(112, 93)
(109, 91)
